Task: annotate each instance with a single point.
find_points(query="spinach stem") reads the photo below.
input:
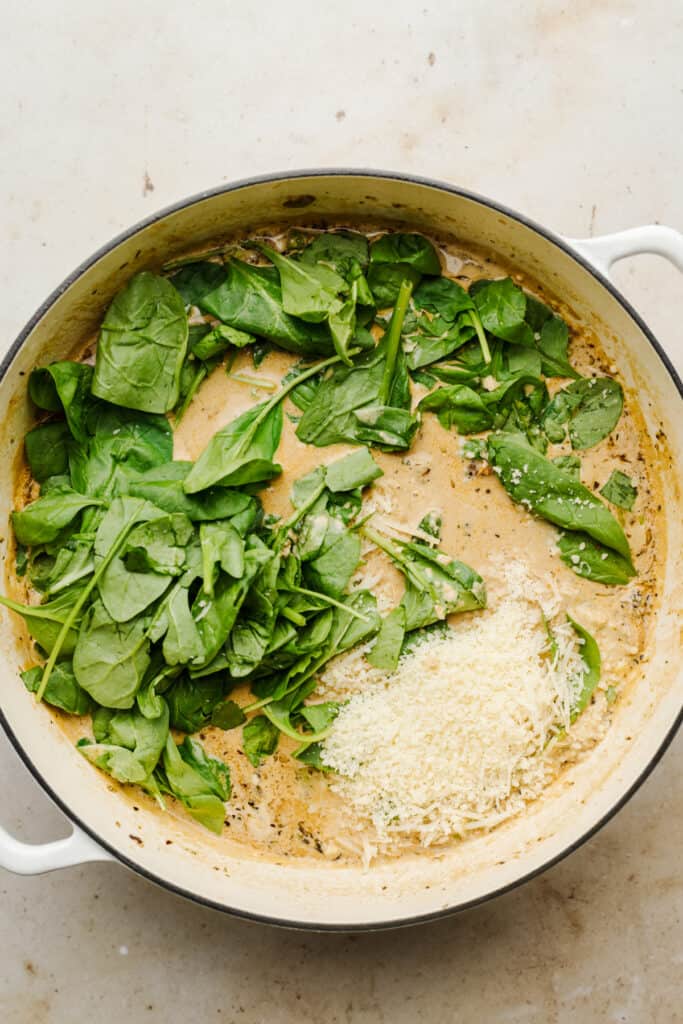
(475, 320)
(303, 509)
(289, 730)
(85, 594)
(394, 339)
(329, 600)
(198, 378)
(245, 378)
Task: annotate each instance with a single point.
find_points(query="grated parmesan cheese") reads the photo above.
(457, 738)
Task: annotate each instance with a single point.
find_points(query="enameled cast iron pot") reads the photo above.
(319, 895)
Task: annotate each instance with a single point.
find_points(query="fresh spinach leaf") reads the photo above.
(502, 308)
(355, 470)
(215, 341)
(386, 649)
(127, 745)
(159, 544)
(368, 403)
(62, 691)
(45, 621)
(250, 299)
(259, 739)
(124, 592)
(551, 492)
(124, 443)
(437, 586)
(227, 715)
(163, 487)
(407, 249)
(438, 323)
(182, 642)
(111, 657)
(594, 561)
(620, 490)
(330, 553)
(142, 346)
(385, 280)
(47, 450)
(553, 345)
(203, 797)
(195, 280)
(221, 545)
(569, 464)
(590, 655)
(591, 407)
(64, 386)
(192, 702)
(44, 519)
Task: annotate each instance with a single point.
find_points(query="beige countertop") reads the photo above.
(570, 113)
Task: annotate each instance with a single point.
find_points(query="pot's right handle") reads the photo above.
(605, 250)
(37, 858)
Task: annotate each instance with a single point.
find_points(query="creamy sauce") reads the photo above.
(284, 810)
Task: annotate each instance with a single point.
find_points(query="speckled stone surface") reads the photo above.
(570, 113)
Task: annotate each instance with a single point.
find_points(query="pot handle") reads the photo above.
(603, 251)
(37, 858)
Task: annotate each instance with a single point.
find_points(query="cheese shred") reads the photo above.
(457, 738)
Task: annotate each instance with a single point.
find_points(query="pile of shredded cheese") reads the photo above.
(456, 739)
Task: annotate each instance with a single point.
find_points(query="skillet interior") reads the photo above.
(328, 896)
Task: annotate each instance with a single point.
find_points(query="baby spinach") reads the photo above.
(368, 403)
(594, 561)
(45, 622)
(620, 490)
(406, 249)
(47, 450)
(590, 655)
(62, 691)
(201, 790)
(437, 585)
(551, 492)
(330, 553)
(569, 464)
(386, 650)
(123, 443)
(250, 299)
(42, 520)
(111, 657)
(591, 407)
(163, 487)
(182, 642)
(259, 739)
(227, 715)
(501, 306)
(127, 745)
(125, 592)
(217, 339)
(355, 470)
(553, 345)
(159, 544)
(221, 545)
(65, 386)
(459, 406)
(192, 702)
(385, 280)
(438, 323)
(195, 280)
(347, 252)
(242, 451)
(142, 346)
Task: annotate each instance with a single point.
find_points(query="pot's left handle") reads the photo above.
(37, 858)
(605, 250)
